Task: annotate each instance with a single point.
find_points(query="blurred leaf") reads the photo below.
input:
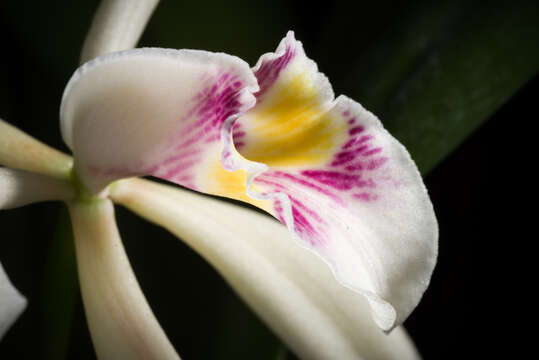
(60, 290)
(282, 353)
(242, 335)
(443, 68)
(239, 28)
(51, 31)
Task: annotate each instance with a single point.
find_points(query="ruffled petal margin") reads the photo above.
(341, 183)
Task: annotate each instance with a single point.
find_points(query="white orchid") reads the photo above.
(273, 136)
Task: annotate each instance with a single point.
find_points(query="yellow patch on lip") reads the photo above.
(291, 127)
(232, 184)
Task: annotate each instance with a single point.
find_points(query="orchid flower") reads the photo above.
(273, 136)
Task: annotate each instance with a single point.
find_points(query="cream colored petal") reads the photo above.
(19, 150)
(117, 25)
(121, 322)
(12, 303)
(19, 188)
(291, 289)
(152, 111)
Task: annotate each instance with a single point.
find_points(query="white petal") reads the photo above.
(121, 322)
(117, 25)
(18, 188)
(291, 289)
(19, 150)
(130, 113)
(12, 303)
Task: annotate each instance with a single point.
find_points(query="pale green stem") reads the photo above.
(19, 150)
(18, 188)
(60, 291)
(117, 25)
(120, 320)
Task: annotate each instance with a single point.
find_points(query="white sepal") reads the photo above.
(121, 322)
(291, 289)
(117, 25)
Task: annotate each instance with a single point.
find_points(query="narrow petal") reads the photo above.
(293, 291)
(12, 303)
(121, 322)
(117, 25)
(152, 111)
(19, 150)
(341, 183)
(18, 188)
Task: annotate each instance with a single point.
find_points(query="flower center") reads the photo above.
(82, 193)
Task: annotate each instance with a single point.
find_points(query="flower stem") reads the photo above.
(60, 290)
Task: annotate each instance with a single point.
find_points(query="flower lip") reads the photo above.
(359, 203)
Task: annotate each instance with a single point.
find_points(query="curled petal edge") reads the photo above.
(384, 312)
(254, 170)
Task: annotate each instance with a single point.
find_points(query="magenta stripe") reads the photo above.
(309, 211)
(269, 71)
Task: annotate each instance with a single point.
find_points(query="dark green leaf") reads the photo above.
(61, 290)
(443, 68)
